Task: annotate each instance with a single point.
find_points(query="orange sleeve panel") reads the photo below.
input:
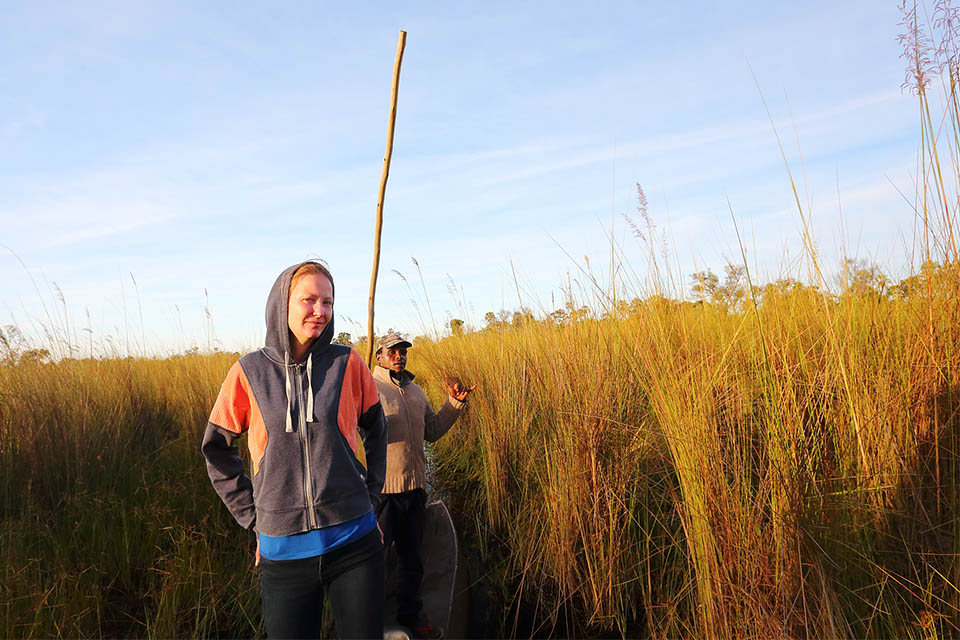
(257, 437)
(370, 394)
(232, 408)
(359, 393)
(236, 410)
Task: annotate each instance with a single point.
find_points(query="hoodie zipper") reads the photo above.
(305, 447)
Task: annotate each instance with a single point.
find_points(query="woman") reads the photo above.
(313, 485)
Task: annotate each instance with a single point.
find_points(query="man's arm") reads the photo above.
(437, 424)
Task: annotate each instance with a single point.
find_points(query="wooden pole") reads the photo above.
(401, 43)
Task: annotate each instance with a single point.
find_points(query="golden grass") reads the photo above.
(676, 470)
(109, 527)
(682, 471)
(786, 469)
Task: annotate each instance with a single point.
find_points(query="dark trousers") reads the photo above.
(401, 517)
(351, 576)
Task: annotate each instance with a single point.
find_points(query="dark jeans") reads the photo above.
(401, 516)
(351, 576)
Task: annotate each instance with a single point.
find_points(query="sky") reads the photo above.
(162, 162)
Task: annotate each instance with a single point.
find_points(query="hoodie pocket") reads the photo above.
(336, 473)
(279, 482)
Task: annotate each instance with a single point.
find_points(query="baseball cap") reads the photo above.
(391, 340)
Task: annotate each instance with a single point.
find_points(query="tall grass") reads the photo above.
(109, 525)
(684, 471)
(671, 470)
(786, 466)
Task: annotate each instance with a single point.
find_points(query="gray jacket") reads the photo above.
(316, 432)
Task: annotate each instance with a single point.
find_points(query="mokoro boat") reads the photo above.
(445, 590)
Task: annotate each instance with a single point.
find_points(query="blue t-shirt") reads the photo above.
(318, 541)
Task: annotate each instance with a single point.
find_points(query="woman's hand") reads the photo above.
(458, 391)
(256, 554)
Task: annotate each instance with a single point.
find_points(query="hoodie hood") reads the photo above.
(277, 342)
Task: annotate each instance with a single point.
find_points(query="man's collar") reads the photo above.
(385, 375)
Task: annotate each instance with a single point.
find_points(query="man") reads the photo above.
(401, 514)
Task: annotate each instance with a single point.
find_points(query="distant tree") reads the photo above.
(35, 356)
(361, 346)
(784, 288)
(907, 288)
(734, 292)
(862, 278)
(575, 313)
(7, 353)
(456, 327)
(12, 344)
(933, 279)
(495, 320)
(779, 287)
(343, 338)
(636, 306)
(522, 317)
(730, 295)
(619, 309)
(704, 286)
(659, 302)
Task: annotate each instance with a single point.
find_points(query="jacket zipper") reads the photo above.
(305, 447)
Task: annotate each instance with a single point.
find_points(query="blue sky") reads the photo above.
(168, 159)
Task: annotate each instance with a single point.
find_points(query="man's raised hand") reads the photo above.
(458, 391)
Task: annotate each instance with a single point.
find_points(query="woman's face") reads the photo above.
(310, 308)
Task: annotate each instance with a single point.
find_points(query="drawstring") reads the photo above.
(310, 388)
(286, 373)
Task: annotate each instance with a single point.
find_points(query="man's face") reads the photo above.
(394, 358)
